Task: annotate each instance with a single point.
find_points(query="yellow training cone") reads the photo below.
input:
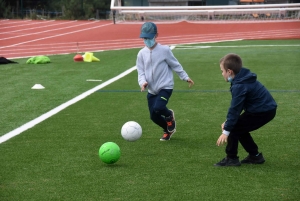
(95, 59)
(88, 57)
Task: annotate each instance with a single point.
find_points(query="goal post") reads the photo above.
(196, 14)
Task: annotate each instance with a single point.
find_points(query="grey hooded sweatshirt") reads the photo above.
(155, 67)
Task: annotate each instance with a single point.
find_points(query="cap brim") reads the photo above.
(144, 35)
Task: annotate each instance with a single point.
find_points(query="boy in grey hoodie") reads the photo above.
(259, 107)
(155, 63)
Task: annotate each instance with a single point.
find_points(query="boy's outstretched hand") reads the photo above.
(191, 82)
(144, 86)
(222, 139)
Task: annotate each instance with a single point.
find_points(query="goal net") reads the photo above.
(252, 12)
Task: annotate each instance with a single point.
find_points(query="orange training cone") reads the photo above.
(78, 57)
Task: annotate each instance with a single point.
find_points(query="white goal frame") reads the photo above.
(116, 5)
(209, 11)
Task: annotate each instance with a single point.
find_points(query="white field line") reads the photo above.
(35, 33)
(93, 80)
(61, 107)
(13, 45)
(9, 32)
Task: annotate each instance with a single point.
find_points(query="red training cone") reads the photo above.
(78, 57)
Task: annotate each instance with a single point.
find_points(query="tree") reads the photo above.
(72, 9)
(84, 9)
(5, 9)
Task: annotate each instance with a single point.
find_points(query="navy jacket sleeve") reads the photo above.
(238, 93)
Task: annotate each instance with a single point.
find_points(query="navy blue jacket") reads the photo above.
(249, 95)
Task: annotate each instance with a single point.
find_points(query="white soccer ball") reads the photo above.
(131, 131)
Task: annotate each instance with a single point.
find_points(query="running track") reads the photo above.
(26, 38)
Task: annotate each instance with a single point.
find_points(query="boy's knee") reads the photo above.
(158, 109)
(153, 115)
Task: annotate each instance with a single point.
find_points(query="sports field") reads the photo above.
(57, 158)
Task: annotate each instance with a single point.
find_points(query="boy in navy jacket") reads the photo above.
(259, 107)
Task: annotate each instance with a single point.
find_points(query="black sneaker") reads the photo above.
(259, 159)
(228, 162)
(167, 136)
(171, 122)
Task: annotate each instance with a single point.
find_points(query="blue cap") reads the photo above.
(148, 30)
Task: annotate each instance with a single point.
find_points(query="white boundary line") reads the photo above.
(61, 107)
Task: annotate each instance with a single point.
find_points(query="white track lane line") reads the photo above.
(26, 24)
(37, 27)
(13, 22)
(171, 38)
(95, 46)
(55, 35)
(61, 107)
(185, 37)
(35, 33)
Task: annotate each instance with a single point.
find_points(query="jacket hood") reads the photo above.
(244, 76)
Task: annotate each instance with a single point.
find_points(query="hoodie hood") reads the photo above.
(244, 77)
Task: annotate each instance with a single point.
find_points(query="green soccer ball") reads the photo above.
(109, 152)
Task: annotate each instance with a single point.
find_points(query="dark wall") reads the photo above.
(216, 2)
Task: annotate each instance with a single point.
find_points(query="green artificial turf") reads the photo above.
(58, 158)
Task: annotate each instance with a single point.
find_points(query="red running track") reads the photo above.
(26, 38)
